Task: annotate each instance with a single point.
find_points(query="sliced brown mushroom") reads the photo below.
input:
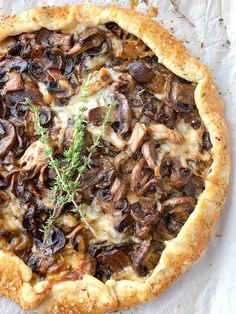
(34, 157)
(88, 39)
(110, 136)
(206, 141)
(101, 80)
(137, 137)
(96, 115)
(50, 58)
(150, 154)
(183, 93)
(104, 201)
(4, 198)
(176, 211)
(13, 63)
(14, 82)
(145, 220)
(63, 41)
(38, 262)
(162, 132)
(59, 87)
(140, 72)
(124, 113)
(171, 205)
(19, 96)
(146, 256)
(123, 221)
(118, 190)
(179, 175)
(120, 158)
(110, 258)
(7, 137)
(150, 187)
(136, 175)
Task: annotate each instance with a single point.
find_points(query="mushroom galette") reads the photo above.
(114, 159)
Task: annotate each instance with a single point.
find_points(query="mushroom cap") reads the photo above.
(7, 137)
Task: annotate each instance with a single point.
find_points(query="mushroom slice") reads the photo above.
(63, 41)
(14, 82)
(7, 137)
(103, 200)
(19, 96)
(4, 198)
(177, 204)
(110, 136)
(183, 93)
(90, 38)
(137, 136)
(149, 187)
(140, 72)
(121, 158)
(136, 175)
(150, 154)
(96, 115)
(162, 132)
(100, 80)
(125, 112)
(118, 190)
(145, 219)
(146, 256)
(34, 157)
(13, 63)
(59, 87)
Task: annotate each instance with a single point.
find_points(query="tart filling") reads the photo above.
(103, 153)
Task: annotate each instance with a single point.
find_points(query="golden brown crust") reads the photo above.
(91, 295)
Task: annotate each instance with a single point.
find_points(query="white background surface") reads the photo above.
(209, 287)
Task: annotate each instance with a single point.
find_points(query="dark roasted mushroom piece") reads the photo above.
(150, 154)
(19, 96)
(123, 221)
(104, 201)
(7, 137)
(118, 190)
(4, 198)
(13, 63)
(96, 115)
(110, 258)
(55, 241)
(183, 93)
(45, 116)
(206, 141)
(145, 220)
(63, 41)
(88, 39)
(140, 72)
(176, 211)
(145, 256)
(179, 175)
(40, 262)
(124, 113)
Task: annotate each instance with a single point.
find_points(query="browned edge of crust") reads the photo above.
(91, 295)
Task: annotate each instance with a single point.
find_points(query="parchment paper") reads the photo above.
(208, 28)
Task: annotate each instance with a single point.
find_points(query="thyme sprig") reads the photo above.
(73, 164)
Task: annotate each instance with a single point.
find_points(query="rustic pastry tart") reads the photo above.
(114, 159)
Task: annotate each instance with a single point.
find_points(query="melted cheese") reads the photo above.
(104, 229)
(12, 214)
(189, 147)
(67, 112)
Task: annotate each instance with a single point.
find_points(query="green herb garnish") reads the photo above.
(73, 164)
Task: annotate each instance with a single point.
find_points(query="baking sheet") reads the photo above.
(208, 28)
